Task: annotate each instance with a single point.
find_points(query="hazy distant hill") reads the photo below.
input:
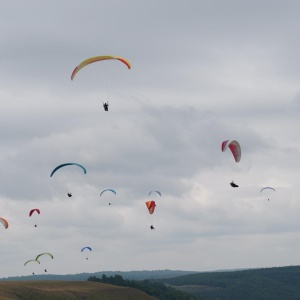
(280, 283)
(132, 275)
(70, 290)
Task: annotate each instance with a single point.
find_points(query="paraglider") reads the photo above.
(31, 261)
(235, 148)
(104, 80)
(267, 191)
(98, 59)
(105, 106)
(32, 211)
(151, 207)
(69, 195)
(42, 254)
(68, 164)
(108, 190)
(233, 184)
(4, 222)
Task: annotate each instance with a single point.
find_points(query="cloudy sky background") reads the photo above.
(202, 72)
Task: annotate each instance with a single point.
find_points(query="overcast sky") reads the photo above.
(202, 72)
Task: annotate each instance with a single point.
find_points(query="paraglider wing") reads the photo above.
(88, 248)
(267, 188)
(46, 253)
(96, 59)
(31, 260)
(151, 206)
(158, 192)
(235, 148)
(111, 190)
(68, 164)
(33, 210)
(4, 222)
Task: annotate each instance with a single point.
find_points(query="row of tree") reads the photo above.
(155, 289)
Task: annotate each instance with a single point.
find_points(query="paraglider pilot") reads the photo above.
(35, 225)
(69, 194)
(45, 270)
(105, 105)
(152, 227)
(233, 184)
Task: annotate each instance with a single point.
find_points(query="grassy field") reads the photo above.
(67, 290)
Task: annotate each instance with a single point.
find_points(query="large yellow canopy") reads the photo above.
(98, 58)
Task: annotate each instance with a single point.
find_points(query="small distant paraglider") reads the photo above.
(233, 184)
(32, 211)
(69, 195)
(31, 261)
(267, 191)
(85, 249)
(108, 190)
(42, 254)
(151, 207)
(105, 106)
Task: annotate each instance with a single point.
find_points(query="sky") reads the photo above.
(202, 72)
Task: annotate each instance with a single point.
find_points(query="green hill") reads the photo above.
(70, 290)
(255, 284)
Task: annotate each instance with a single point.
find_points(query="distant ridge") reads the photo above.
(131, 275)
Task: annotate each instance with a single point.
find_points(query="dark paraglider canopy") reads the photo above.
(233, 184)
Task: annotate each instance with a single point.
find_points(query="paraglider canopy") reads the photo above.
(151, 206)
(235, 148)
(108, 190)
(33, 210)
(157, 192)
(4, 222)
(267, 188)
(31, 260)
(96, 59)
(86, 248)
(45, 253)
(68, 164)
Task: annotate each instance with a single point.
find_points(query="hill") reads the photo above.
(132, 275)
(70, 290)
(260, 284)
